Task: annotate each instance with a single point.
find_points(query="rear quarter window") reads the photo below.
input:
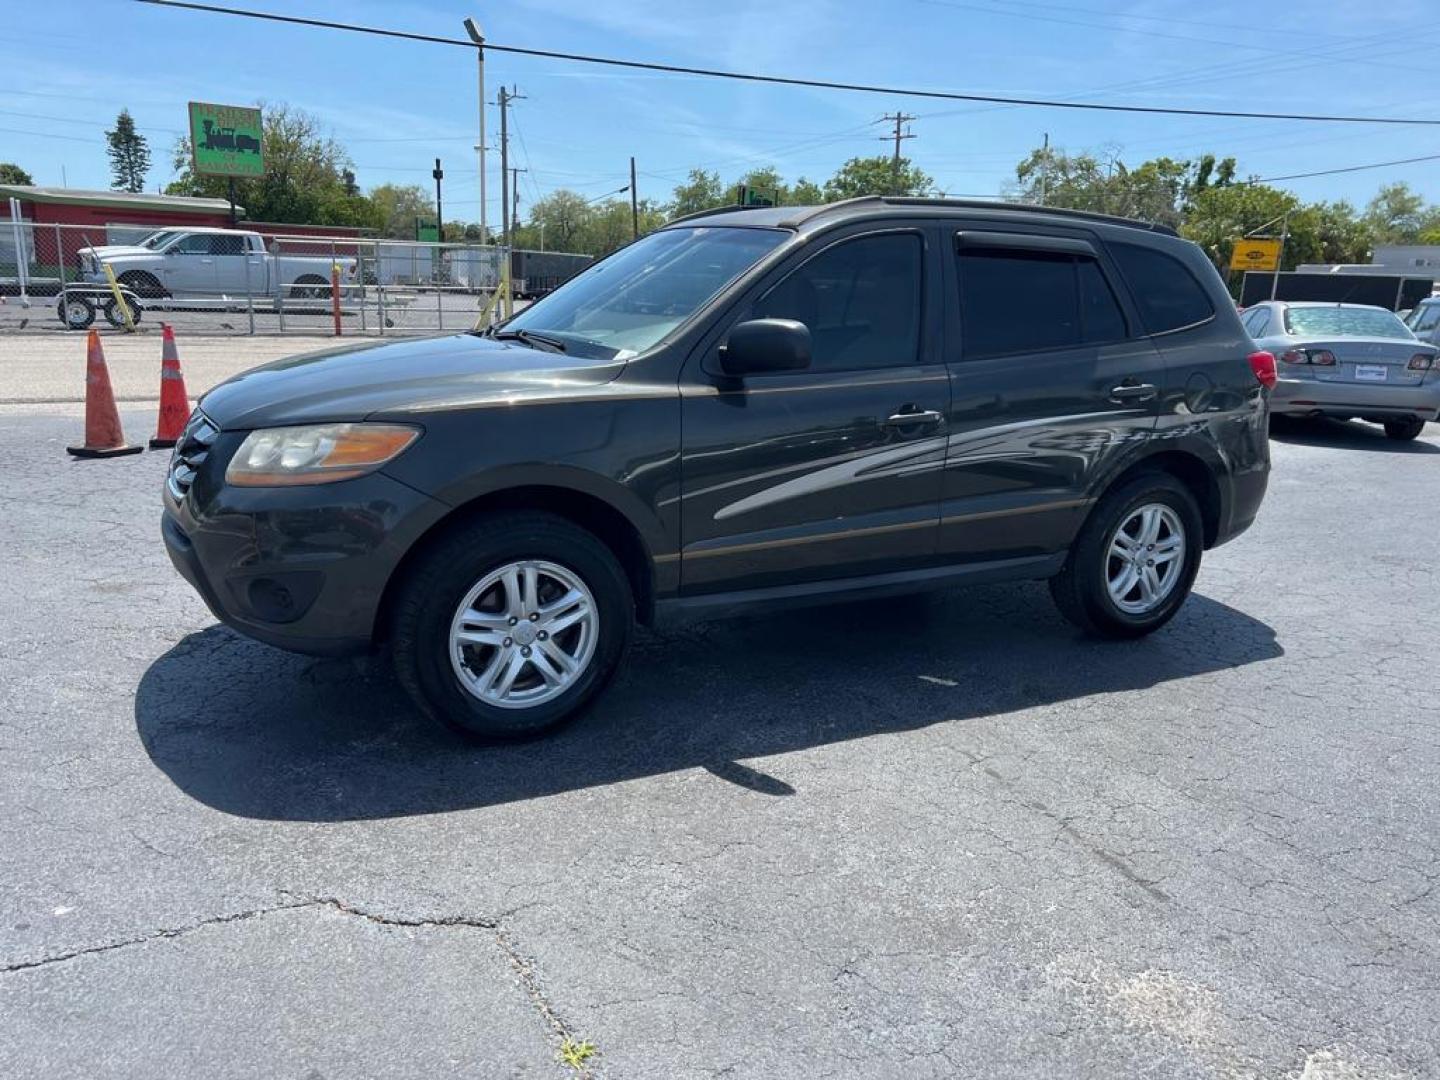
(1168, 295)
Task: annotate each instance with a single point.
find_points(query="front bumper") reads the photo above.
(1308, 397)
(301, 568)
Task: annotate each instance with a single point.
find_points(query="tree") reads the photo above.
(700, 191)
(129, 154)
(14, 174)
(806, 193)
(396, 206)
(876, 176)
(1161, 191)
(564, 215)
(1397, 215)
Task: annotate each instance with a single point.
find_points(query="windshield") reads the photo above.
(1345, 322)
(637, 296)
(154, 240)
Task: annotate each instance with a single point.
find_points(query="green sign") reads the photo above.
(226, 140)
(427, 230)
(754, 197)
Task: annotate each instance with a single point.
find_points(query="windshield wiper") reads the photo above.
(529, 337)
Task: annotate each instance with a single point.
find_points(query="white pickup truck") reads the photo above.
(204, 263)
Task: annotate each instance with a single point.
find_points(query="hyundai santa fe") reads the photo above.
(746, 407)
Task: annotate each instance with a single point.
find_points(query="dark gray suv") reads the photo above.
(745, 407)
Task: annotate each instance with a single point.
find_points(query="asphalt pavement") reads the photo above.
(929, 837)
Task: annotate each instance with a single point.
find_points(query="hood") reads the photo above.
(110, 251)
(398, 380)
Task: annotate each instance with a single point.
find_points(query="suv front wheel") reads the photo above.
(511, 624)
(1135, 559)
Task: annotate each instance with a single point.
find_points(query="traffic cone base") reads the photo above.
(174, 404)
(102, 451)
(103, 437)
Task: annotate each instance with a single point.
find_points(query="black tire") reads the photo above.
(309, 287)
(146, 286)
(111, 311)
(435, 586)
(76, 312)
(1404, 430)
(1081, 588)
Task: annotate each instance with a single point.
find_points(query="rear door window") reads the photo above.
(226, 244)
(1019, 301)
(1168, 295)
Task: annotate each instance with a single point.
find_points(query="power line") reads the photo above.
(1346, 169)
(781, 80)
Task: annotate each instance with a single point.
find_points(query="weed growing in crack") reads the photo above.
(576, 1054)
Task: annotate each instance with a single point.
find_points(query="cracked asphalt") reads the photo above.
(932, 837)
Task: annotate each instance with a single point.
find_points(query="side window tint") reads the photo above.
(1260, 325)
(861, 301)
(1014, 301)
(194, 244)
(1166, 292)
(1101, 319)
(1017, 301)
(1426, 317)
(225, 244)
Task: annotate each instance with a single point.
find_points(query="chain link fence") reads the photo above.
(217, 281)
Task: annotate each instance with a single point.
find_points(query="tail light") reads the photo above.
(1263, 365)
(1319, 357)
(1421, 362)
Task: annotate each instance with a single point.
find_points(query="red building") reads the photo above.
(89, 216)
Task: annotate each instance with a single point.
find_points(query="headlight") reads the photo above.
(316, 453)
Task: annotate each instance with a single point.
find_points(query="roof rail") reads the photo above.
(985, 204)
(712, 210)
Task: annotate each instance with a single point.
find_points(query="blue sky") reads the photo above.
(396, 105)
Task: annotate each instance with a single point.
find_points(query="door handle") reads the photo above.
(913, 417)
(1133, 392)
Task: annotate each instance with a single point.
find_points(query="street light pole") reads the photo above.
(1279, 259)
(473, 29)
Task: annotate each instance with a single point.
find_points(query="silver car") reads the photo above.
(1347, 360)
(1424, 320)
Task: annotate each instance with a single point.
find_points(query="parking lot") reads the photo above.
(921, 837)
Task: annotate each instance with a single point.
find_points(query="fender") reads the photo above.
(643, 519)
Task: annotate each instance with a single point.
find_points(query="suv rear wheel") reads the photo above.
(1404, 430)
(511, 625)
(1135, 559)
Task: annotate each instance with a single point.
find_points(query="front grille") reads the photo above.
(190, 453)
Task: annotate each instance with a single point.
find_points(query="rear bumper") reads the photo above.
(1308, 397)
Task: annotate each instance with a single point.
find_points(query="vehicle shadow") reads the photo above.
(1345, 435)
(256, 732)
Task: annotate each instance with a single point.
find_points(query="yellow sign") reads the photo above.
(1255, 254)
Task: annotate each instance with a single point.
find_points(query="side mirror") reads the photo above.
(764, 345)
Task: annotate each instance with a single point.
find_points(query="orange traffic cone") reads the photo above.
(103, 437)
(174, 405)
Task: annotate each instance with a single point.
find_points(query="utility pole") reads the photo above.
(439, 174)
(898, 120)
(473, 29)
(1045, 169)
(634, 205)
(504, 101)
(507, 223)
(515, 195)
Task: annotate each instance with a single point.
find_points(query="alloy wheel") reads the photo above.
(1145, 558)
(524, 634)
